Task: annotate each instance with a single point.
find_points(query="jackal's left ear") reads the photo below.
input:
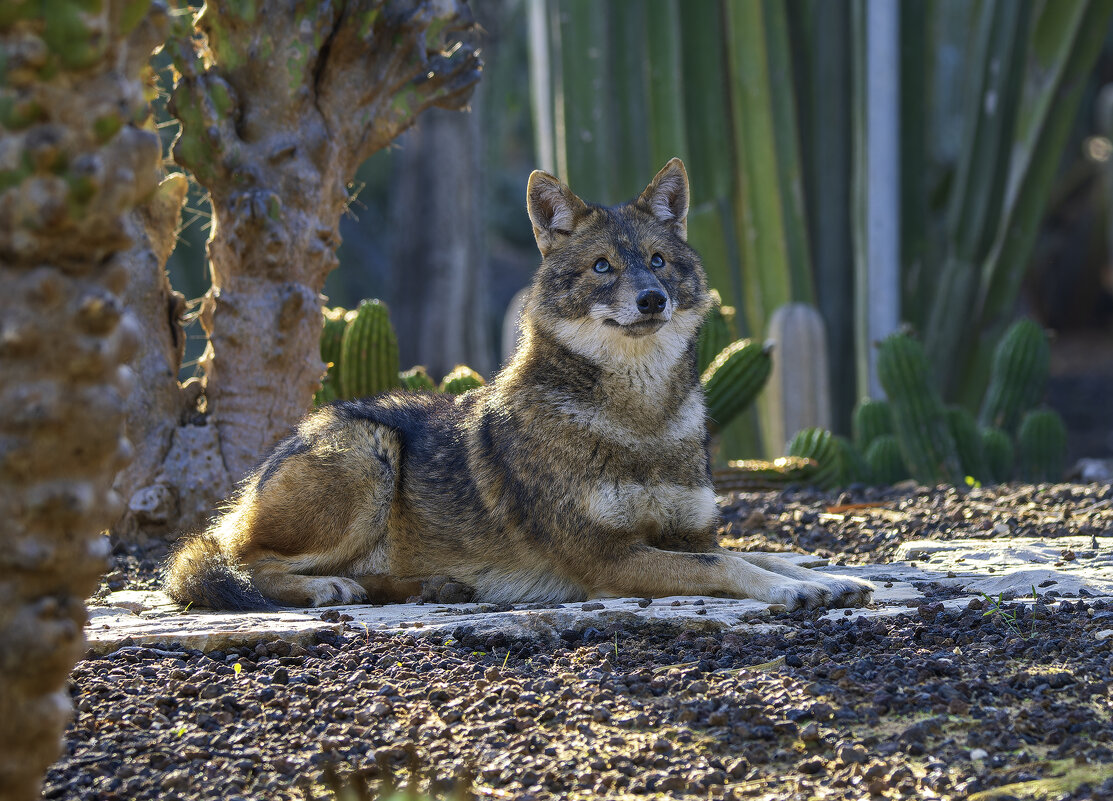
(553, 209)
(666, 197)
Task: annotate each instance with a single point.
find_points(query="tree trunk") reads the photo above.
(440, 310)
(72, 167)
(278, 107)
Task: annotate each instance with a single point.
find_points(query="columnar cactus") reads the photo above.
(968, 442)
(798, 395)
(872, 419)
(885, 460)
(919, 417)
(1041, 443)
(734, 378)
(1017, 377)
(76, 161)
(998, 452)
(369, 352)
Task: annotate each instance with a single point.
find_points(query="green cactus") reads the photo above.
(742, 475)
(332, 335)
(417, 379)
(1041, 443)
(968, 442)
(1018, 376)
(919, 418)
(734, 378)
(460, 380)
(715, 336)
(368, 352)
(855, 467)
(885, 460)
(327, 393)
(998, 452)
(823, 448)
(872, 419)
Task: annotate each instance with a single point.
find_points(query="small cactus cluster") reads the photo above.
(914, 435)
(732, 371)
(360, 350)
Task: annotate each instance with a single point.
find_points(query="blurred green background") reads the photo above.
(1003, 176)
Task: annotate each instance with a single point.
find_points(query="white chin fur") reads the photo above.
(608, 346)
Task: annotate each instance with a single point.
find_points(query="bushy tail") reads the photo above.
(201, 573)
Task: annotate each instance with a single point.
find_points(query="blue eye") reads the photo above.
(602, 266)
(657, 261)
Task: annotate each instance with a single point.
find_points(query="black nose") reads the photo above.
(651, 301)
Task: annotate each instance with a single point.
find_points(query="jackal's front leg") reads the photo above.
(651, 572)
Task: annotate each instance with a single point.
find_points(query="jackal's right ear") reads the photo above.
(553, 209)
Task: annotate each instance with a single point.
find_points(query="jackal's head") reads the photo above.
(617, 284)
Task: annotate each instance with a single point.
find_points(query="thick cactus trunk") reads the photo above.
(279, 104)
(74, 167)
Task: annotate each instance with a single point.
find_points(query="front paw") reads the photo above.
(795, 595)
(846, 591)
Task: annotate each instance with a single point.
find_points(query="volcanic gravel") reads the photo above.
(965, 703)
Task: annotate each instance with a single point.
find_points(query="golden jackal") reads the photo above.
(581, 471)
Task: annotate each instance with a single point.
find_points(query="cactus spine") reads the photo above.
(1018, 376)
(1041, 446)
(715, 336)
(997, 450)
(885, 460)
(919, 417)
(872, 419)
(460, 380)
(734, 378)
(369, 352)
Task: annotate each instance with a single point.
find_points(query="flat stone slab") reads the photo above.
(1008, 566)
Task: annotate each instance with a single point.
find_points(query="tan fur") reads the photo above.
(580, 471)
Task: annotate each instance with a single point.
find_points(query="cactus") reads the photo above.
(968, 442)
(327, 393)
(369, 352)
(885, 460)
(715, 336)
(417, 379)
(799, 392)
(332, 335)
(872, 419)
(822, 447)
(855, 467)
(997, 451)
(460, 380)
(1041, 443)
(734, 378)
(919, 418)
(1018, 376)
(332, 339)
(755, 474)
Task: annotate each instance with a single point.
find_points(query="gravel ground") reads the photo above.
(980, 703)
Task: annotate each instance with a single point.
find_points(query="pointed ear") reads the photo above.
(553, 209)
(666, 197)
